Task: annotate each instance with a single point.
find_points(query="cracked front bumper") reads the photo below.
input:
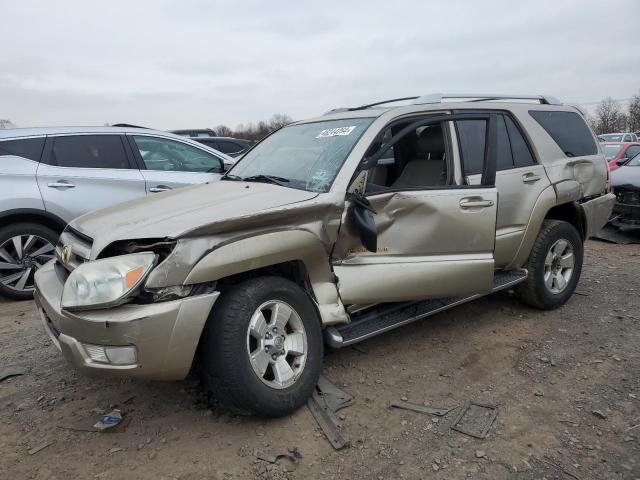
(164, 335)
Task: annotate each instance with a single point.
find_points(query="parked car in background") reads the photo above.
(195, 132)
(234, 147)
(617, 153)
(48, 176)
(618, 137)
(336, 228)
(625, 182)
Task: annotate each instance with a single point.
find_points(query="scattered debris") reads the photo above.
(89, 425)
(612, 235)
(109, 421)
(440, 412)
(272, 457)
(480, 454)
(40, 447)
(482, 425)
(559, 467)
(325, 401)
(599, 413)
(12, 371)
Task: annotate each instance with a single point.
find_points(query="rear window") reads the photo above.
(89, 151)
(610, 151)
(569, 131)
(30, 148)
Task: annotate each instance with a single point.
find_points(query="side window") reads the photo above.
(226, 146)
(169, 155)
(30, 148)
(568, 130)
(472, 138)
(417, 160)
(89, 151)
(632, 151)
(521, 154)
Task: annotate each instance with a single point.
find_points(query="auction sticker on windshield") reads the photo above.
(333, 132)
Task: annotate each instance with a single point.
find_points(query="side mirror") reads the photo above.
(621, 161)
(361, 220)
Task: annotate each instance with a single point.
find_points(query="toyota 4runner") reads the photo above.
(330, 230)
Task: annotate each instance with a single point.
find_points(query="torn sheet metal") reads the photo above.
(612, 234)
(325, 401)
(476, 426)
(11, 371)
(415, 407)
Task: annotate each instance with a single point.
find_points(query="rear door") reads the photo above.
(435, 236)
(80, 173)
(167, 163)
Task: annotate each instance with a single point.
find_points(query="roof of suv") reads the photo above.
(40, 131)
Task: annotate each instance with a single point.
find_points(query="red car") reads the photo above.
(616, 152)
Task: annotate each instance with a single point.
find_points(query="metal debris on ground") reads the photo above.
(272, 457)
(613, 235)
(11, 371)
(109, 421)
(40, 447)
(415, 407)
(475, 425)
(325, 401)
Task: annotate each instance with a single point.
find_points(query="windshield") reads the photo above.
(610, 151)
(306, 156)
(634, 162)
(612, 137)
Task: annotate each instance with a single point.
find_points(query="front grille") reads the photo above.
(73, 249)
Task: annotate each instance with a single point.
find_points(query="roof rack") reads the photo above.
(484, 97)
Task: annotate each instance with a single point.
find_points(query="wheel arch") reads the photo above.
(295, 254)
(23, 215)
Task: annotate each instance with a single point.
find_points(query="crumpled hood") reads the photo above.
(174, 213)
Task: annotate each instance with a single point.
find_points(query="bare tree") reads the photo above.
(260, 129)
(4, 123)
(634, 113)
(609, 117)
(279, 120)
(223, 131)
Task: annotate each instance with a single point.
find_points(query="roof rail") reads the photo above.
(484, 97)
(363, 107)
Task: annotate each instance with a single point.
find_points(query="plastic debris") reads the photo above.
(109, 421)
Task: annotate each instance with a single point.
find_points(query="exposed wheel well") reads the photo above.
(33, 216)
(571, 213)
(294, 270)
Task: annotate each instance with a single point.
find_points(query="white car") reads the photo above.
(48, 176)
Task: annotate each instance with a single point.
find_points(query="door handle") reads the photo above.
(159, 188)
(61, 184)
(479, 203)
(530, 178)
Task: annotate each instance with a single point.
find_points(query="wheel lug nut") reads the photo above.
(274, 356)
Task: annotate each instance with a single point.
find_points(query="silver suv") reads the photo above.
(340, 227)
(49, 176)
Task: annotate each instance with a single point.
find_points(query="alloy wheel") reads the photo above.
(277, 344)
(20, 257)
(558, 266)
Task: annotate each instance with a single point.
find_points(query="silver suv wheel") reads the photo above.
(558, 266)
(277, 344)
(20, 257)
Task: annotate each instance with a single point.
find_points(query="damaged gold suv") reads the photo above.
(330, 230)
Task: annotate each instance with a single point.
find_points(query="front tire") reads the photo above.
(554, 266)
(24, 248)
(261, 350)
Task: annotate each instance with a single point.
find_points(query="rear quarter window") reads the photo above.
(568, 130)
(30, 148)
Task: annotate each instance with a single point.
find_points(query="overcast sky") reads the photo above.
(179, 64)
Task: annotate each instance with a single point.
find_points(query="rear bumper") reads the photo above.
(597, 212)
(165, 335)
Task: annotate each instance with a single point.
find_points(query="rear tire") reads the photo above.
(28, 246)
(554, 266)
(261, 349)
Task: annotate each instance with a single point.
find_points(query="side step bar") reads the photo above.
(388, 316)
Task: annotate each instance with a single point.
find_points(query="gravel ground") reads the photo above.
(567, 383)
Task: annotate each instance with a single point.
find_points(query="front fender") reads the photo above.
(251, 253)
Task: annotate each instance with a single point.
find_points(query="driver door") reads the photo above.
(166, 164)
(435, 235)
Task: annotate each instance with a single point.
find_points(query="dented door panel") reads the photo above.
(431, 243)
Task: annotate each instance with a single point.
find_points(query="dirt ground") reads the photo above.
(567, 383)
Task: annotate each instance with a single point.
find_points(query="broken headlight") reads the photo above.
(106, 282)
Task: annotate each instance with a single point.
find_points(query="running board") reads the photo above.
(393, 315)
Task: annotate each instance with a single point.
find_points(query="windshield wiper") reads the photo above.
(267, 179)
(233, 178)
